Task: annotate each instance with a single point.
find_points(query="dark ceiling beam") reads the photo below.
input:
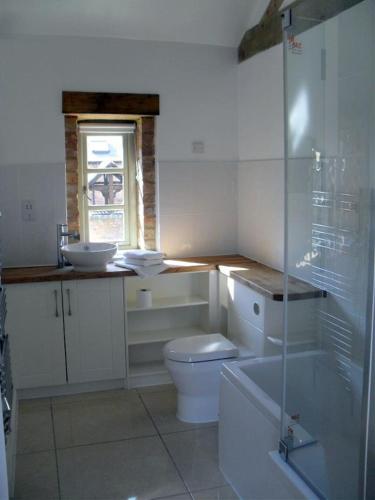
(268, 32)
(264, 35)
(110, 103)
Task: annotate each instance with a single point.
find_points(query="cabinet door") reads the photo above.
(94, 329)
(35, 326)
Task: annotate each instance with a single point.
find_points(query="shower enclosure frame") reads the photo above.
(288, 16)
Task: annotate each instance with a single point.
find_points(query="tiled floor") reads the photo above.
(115, 445)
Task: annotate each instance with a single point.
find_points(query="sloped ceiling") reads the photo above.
(213, 22)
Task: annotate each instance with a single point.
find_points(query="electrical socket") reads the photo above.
(28, 211)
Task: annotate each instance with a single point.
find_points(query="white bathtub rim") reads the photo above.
(263, 402)
(233, 372)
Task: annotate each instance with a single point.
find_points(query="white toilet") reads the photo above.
(194, 364)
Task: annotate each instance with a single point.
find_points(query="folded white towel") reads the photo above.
(142, 271)
(143, 262)
(143, 254)
(141, 259)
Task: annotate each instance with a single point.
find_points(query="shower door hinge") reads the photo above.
(283, 450)
(286, 19)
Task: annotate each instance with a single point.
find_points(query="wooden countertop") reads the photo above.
(50, 273)
(270, 283)
(263, 279)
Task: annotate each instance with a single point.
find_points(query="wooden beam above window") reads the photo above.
(110, 103)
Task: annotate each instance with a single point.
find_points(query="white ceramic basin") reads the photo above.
(89, 256)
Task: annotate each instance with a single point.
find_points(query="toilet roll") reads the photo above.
(144, 298)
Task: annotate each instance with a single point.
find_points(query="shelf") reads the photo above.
(148, 368)
(292, 343)
(169, 303)
(153, 336)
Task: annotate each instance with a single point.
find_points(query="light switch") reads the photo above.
(28, 210)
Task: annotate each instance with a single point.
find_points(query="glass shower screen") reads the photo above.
(329, 77)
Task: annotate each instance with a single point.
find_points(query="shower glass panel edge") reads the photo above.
(328, 216)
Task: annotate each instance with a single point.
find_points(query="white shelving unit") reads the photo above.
(182, 306)
(169, 302)
(155, 336)
(148, 369)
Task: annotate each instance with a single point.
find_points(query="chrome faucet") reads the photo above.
(62, 239)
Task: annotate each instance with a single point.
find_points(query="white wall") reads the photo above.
(261, 151)
(25, 243)
(198, 208)
(197, 87)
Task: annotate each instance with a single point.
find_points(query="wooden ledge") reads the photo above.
(263, 279)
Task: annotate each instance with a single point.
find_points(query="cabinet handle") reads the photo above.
(56, 308)
(69, 307)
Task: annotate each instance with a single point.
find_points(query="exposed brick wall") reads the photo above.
(148, 201)
(146, 179)
(71, 169)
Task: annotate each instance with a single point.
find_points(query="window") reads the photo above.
(107, 188)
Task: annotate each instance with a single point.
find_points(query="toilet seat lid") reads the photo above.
(208, 347)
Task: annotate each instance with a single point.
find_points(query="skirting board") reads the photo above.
(69, 389)
(104, 385)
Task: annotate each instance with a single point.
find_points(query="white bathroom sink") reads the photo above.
(89, 256)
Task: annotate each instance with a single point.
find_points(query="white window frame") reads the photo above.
(129, 206)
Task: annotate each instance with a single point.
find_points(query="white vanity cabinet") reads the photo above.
(36, 331)
(66, 332)
(71, 335)
(94, 329)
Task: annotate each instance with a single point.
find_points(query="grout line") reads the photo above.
(200, 427)
(158, 434)
(72, 447)
(26, 453)
(193, 427)
(166, 448)
(55, 450)
(208, 426)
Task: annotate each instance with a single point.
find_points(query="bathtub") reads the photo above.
(249, 426)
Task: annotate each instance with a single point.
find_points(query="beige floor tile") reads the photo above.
(195, 454)
(26, 404)
(36, 476)
(89, 396)
(157, 388)
(100, 419)
(136, 468)
(34, 430)
(220, 493)
(163, 407)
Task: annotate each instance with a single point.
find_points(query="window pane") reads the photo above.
(105, 189)
(106, 225)
(105, 151)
